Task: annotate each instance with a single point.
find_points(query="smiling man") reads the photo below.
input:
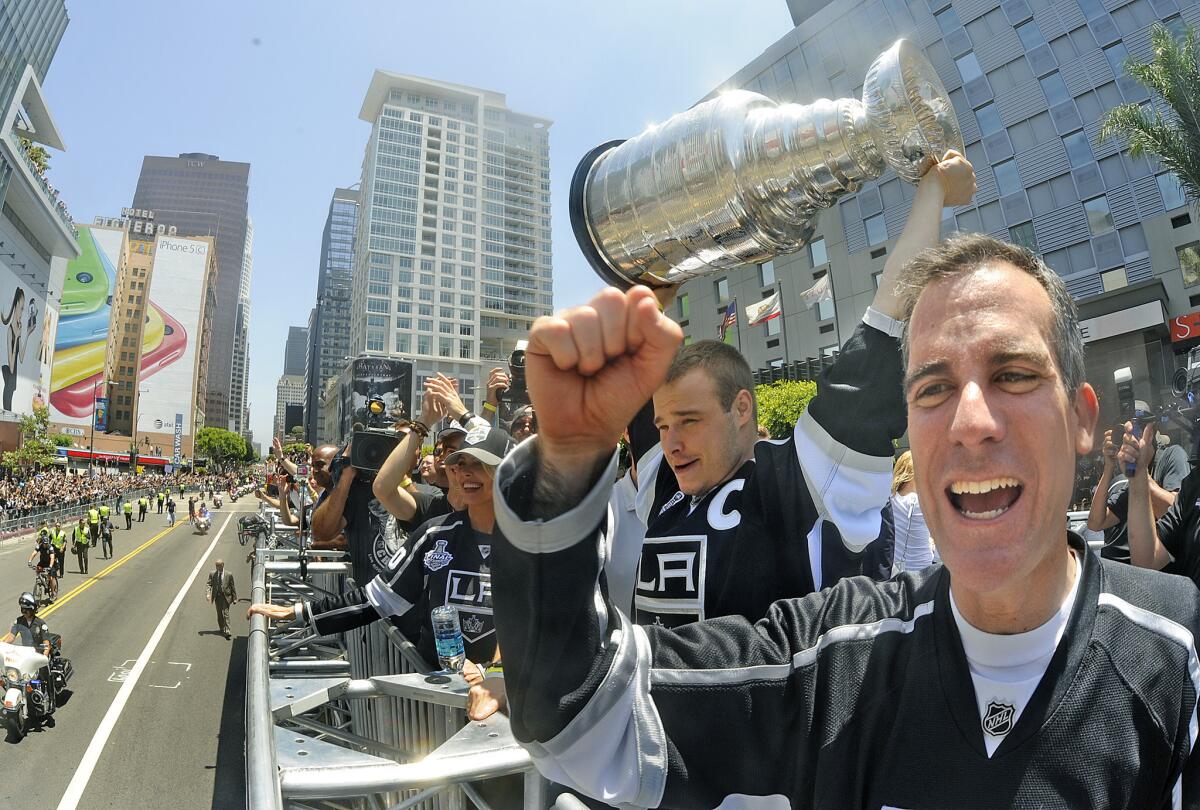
(732, 523)
(1024, 672)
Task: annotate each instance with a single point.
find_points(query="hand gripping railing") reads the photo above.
(262, 774)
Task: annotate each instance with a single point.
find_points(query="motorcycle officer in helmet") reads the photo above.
(29, 630)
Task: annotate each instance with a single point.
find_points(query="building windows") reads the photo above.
(825, 310)
(876, 230)
(989, 119)
(1030, 35)
(816, 252)
(1023, 235)
(445, 347)
(1171, 190)
(947, 19)
(1079, 151)
(766, 274)
(721, 290)
(685, 309)
(1008, 178)
(1055, 89)
(403, 343)
(968, 67)
(1117, 55)
(1189, 263)
(773, 326)
(1114, 279)
(1099, 219)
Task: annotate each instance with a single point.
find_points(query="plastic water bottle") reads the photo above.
(448, 638)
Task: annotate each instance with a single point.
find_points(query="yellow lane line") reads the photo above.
(90, 581)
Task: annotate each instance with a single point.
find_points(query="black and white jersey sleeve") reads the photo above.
(857, 696)
(392, 595)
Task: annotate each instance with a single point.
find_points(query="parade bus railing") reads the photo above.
(358, 717)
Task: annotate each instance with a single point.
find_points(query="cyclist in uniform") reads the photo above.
(44, 554)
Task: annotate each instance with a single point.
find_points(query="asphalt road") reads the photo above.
(173, 737)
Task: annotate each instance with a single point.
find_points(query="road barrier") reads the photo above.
(358, 716)
(30, 520)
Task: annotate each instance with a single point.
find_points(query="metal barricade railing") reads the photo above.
(356, 716)
(29, 520)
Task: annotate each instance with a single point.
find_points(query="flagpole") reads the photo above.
(737, 321)
(783, 325)
(837, 330)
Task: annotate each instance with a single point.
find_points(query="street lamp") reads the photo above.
(95, 416)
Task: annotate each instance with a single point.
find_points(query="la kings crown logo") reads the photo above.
(998, 719)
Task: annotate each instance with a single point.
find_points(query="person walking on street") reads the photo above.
(81, 545)
(161, 501)
(143, 505)
(93, 516)
(191, 508)
(104, 513)
(170, 511)
(127, 509)
(106, 536)
(58, 539)
(222, 592)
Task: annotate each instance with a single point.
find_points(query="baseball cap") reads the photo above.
(485, 443)
(525, 411)
(453, 429)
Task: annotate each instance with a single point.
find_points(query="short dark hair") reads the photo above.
(965, 253)
(723, 364)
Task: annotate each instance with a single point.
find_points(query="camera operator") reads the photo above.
(1172, 543)
(524, 423)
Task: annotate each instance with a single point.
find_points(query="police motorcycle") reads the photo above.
(203, 523)
(29, 695)
(217, 502)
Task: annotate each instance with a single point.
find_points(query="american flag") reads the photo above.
(729, 320)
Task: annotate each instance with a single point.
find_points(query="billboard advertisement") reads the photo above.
(168, 370)
(388, 378)
(77, 373)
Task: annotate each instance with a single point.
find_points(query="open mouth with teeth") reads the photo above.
(472, 486)
(984, 500)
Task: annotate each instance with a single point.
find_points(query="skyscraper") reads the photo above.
(203, 195)
(452, 262)
(329, 322)
(1031, 81)
(295, 349)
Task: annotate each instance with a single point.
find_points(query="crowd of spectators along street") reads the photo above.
(55, 489)
(599, 573)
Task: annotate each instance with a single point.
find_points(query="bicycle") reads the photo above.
(41, 585)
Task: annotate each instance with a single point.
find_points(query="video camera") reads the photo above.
(1183, 414)
(375, 441)
(516, 395)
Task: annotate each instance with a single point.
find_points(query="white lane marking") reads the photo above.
(83, 772)
(121, 672)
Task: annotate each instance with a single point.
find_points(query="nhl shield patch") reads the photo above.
(998, 719)
(438, 557)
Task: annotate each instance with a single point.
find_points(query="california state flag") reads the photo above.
(764, 310)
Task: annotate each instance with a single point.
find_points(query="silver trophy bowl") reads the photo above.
(740, 179)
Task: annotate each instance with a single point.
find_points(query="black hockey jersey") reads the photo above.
(446, 563)
(795, 518)
(859, 696)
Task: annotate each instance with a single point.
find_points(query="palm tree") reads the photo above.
(1174, 75)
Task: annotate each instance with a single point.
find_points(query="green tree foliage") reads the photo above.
(61, 440)
(781, 403)
(297, 433)
(37, 449)
(294, 447)
(1173, 74)
(220, 446)
(37, 155)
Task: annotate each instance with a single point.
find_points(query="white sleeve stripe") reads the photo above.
(803, 658)
(837, 452)
(560, 533)
(385, 601)
(1171, 630)
(1177, 794)
(647, 476)
(884, 323)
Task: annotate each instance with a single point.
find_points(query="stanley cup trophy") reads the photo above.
(740, 179)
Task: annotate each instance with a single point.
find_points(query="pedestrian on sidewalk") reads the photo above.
(127, 508)
(81, 541)
(170, 511)
(222, 592)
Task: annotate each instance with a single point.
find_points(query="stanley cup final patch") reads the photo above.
(438, 557)
(998, 719)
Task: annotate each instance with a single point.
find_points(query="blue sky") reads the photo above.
(279, 84)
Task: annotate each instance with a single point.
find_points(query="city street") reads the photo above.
(156, 708)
